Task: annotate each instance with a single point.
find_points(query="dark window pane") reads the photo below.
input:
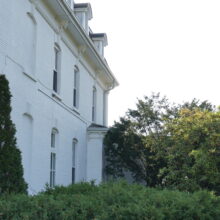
(55, 81)
(51, 161)
(56, 59)
(93, 113)
(74, 97)
(73, 175)
(54, 162)
(51, 181)
(53, 136)
(52, 169)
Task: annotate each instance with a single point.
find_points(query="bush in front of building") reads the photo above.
(110, 201)
(11, 170)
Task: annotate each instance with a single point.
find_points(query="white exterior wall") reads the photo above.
(94, 148)
(35, 111)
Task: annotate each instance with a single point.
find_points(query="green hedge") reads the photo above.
(111, 201)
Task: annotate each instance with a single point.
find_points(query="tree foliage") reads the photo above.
(11, 171)
(193, 160)
(166, 144)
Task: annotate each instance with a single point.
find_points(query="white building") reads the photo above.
(60, 82)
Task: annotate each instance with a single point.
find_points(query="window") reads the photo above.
(30, 45)
(53, 139)
(94, 104)
(74, 160)
(76, 88)
(52, 169)
(57, 55)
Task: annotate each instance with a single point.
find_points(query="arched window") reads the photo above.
(57, 69)
(94, 94)
(54, 140)
(74, 148)
(30, 44)
(52, 169)
(76, 87)
(54, 133)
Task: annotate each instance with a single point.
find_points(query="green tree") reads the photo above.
(145, 143)
(193, 160)
(133, 144)
(11, 170)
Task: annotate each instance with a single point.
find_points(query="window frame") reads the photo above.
(57, 68)
(53, 156)
(53, 140)
(52, 169)
(94, 104)
(74, 150)
(76, 87)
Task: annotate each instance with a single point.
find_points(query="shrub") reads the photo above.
(118, 201)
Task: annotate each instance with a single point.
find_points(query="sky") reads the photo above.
(166, 46)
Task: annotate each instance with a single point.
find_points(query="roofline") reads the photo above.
(88, 42)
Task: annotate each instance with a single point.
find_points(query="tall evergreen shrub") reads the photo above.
(11, 170)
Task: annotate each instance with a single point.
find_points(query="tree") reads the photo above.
(133, 143)
(11, 170)
(193, 160)
(150, 143)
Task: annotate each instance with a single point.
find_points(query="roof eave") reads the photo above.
(83, 38)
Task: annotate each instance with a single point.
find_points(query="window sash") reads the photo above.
(94, 104)
(52, 178)
(73, 174)
(53, 139)
(93, 113)
(53, 161)
(75, 78)
(75, 88)
(74, 155)
(73, 161)
(52, 169)
(56, 64)
(57, 68)
(55, 80)
(74, 97)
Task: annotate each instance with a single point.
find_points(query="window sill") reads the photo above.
(56, 96)
(74, 109)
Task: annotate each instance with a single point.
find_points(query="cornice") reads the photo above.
(85, 44)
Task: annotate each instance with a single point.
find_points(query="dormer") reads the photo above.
(100, 41)
(70, 3)
(83, 12)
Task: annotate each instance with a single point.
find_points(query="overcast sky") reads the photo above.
(166, 46)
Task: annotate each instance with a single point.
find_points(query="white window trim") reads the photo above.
(52, 169)
(94, 103)
(53, 156)
(54, 138)
(76, 87)
(74, 158)
(57, 69)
